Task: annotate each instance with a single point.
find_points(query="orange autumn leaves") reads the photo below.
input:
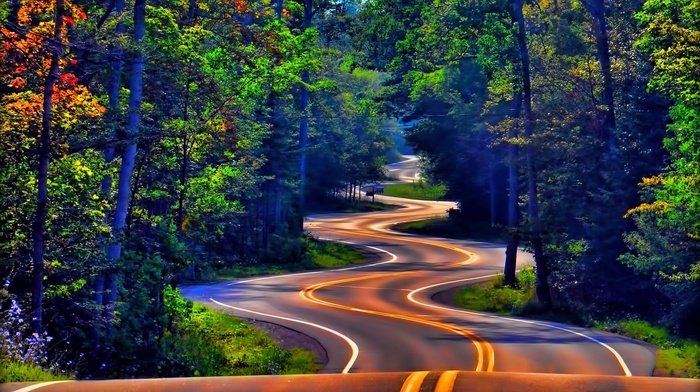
(24, 64)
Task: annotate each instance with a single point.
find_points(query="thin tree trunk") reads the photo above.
(492, 190)
(13, 14)
(513, 188)
(542, 285)
(304, 124)
(278, 9)
(39, 226)
(278, 202)
(106, 187)
(128, 160)
(183, 183)
(303, 141)
(600, 30)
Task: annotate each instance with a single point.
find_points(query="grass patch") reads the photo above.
(452, 228)
(345, 206)
(244, 271)
(675, 356)
(23, 372)
(317, 254)
(417, 190)
(326, 254)
(494, 296)
(205, 342)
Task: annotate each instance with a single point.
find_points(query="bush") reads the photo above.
(494, 296)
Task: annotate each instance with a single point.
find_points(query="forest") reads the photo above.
(151, 143)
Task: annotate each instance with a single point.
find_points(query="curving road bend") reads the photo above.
(381, 317)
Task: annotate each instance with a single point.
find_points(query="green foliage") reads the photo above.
(26, 372)
(419, 190)
(674, 357)
(665, 245)
(494, 296)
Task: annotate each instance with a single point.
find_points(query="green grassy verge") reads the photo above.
(417, 190)
(23, 372)
(451, 228)
(344, 206)
(205, 342)
(675, 356)
(317, 254)
(331, 254)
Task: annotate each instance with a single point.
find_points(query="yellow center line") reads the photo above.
(414, 381)
(471, 259)
(446, 381)
(483, 348)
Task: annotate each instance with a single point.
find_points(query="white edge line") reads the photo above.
(617, 355)
(353, 346)
(40, 385)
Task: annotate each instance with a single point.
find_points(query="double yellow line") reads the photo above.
(484, 349)
(445, 383)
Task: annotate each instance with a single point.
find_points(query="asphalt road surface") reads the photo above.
(381, 316)
(405, 170)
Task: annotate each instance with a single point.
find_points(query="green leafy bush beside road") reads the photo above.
(205, 342)
(495, 297)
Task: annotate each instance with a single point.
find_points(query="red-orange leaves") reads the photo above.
(25, 60)
(68, 80)
(17, 83)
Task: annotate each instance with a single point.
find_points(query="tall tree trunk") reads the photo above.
(278, 9)
(106, 186)
(13, 14)
(542, 285)
(513, 187)
(128, 159)
(278, 202)
(39, 226)
(492, 190)
(602, 45)
(304, 123)
(184, 167)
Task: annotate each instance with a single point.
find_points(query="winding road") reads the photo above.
(382, 316)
